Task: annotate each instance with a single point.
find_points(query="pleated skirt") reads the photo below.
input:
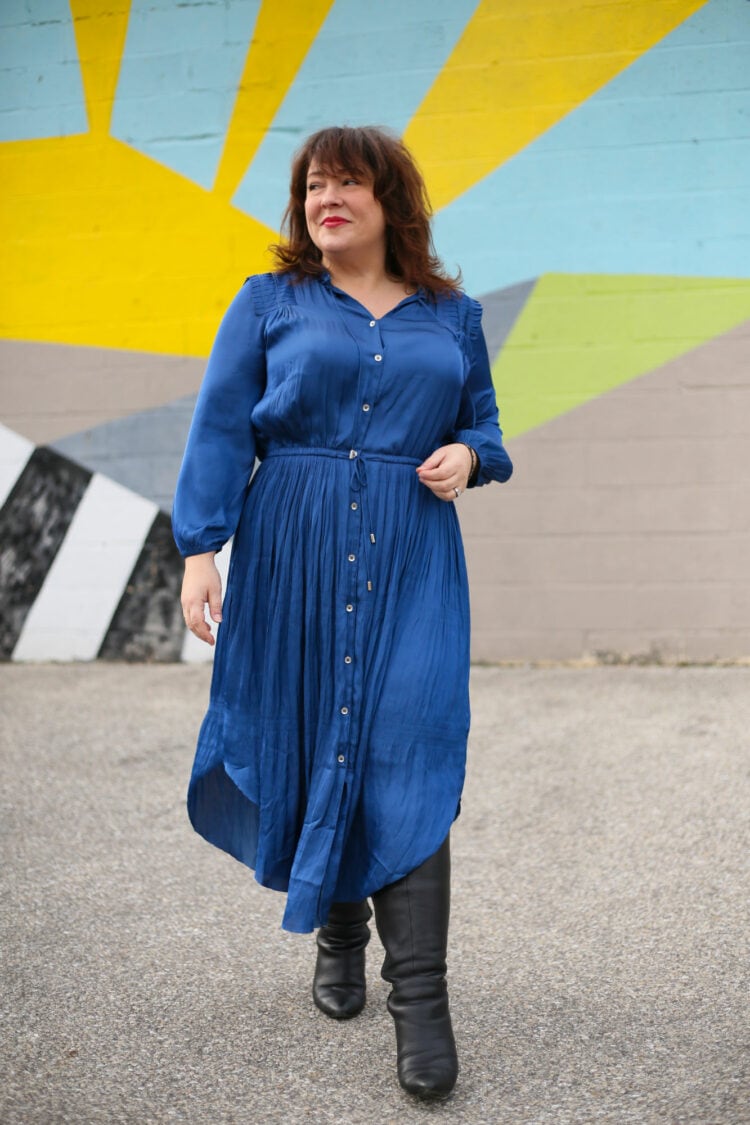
(332, 757)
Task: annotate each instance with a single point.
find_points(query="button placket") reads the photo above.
(345, 709)
(369, 390)
(372, 359)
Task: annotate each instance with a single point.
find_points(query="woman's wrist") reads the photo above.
(474, 469)
(198, 560)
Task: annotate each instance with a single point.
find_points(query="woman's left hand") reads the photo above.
(446, 471)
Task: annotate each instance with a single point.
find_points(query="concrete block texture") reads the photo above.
(611, 540)
(589, 169)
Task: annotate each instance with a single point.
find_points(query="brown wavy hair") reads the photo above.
(397, 184)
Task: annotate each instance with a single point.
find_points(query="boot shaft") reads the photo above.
(346, 928)
(412, 918)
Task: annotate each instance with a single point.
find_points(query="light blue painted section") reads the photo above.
(41, 92)
(178, 82)
(371, 64)
(651, 175)
(13, 12)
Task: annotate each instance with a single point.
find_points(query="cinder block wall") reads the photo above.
(590, 170)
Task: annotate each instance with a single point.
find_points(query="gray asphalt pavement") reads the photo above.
(599, 945)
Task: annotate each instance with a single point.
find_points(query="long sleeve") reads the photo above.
(220, 451)
(477, 424)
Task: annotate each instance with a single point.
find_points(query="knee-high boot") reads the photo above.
(339, 981)
(412, 920)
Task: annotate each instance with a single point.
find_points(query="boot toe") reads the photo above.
(430, 1083)
(426, 1048)
(340, 1003)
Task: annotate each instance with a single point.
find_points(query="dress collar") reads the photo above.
(325, 279)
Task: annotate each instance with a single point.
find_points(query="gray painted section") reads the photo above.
(142, 451)
(501, 311)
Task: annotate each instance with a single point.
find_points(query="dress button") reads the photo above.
(372, 324)
(366, 407)
(349, 608)
(354, 505)
(342, 759)
(378, 358)
(352, 558)
(347, 660)
(344, 710)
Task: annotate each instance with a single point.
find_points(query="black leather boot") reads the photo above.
(412, 920)
(339, 981)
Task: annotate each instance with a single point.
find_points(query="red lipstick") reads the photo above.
(334, 221)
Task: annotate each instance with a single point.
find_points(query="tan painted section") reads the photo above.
(50, 390)
(626, 527)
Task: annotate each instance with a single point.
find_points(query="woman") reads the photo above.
(331, 759)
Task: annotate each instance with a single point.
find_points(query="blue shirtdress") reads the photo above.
(332, 756)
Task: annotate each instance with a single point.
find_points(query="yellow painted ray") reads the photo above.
(100, 32)
(519, 67)
(101, 245)
(284, 32)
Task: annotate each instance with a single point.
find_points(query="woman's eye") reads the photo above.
(312, 187)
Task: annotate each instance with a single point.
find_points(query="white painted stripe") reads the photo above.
(193, 650)
(14, 453)
(84, 585)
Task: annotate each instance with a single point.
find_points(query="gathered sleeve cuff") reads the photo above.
(477, 424)
(220, 452)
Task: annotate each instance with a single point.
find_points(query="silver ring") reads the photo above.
(457, 492)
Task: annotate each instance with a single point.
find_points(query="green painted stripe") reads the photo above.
(580, 336)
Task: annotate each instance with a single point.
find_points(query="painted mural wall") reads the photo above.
(589, 164)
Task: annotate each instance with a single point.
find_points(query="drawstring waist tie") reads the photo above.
(358, 461)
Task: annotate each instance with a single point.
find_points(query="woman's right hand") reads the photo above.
(201, 586)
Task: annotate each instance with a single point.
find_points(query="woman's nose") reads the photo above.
(331, 195)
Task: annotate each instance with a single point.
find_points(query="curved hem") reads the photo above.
(295, 920)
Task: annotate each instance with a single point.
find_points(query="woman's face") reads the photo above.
(344, 219)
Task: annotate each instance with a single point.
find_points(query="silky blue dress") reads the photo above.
(332, 756)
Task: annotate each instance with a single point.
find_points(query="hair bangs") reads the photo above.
(379, 156)
(333, 154)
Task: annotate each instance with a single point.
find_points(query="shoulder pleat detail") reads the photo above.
(463, 315)
(448, 311)
(269, 291)
(472, 316)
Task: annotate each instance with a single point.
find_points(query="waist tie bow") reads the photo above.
(358, 482)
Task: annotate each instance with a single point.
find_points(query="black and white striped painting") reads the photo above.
(88, 568)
